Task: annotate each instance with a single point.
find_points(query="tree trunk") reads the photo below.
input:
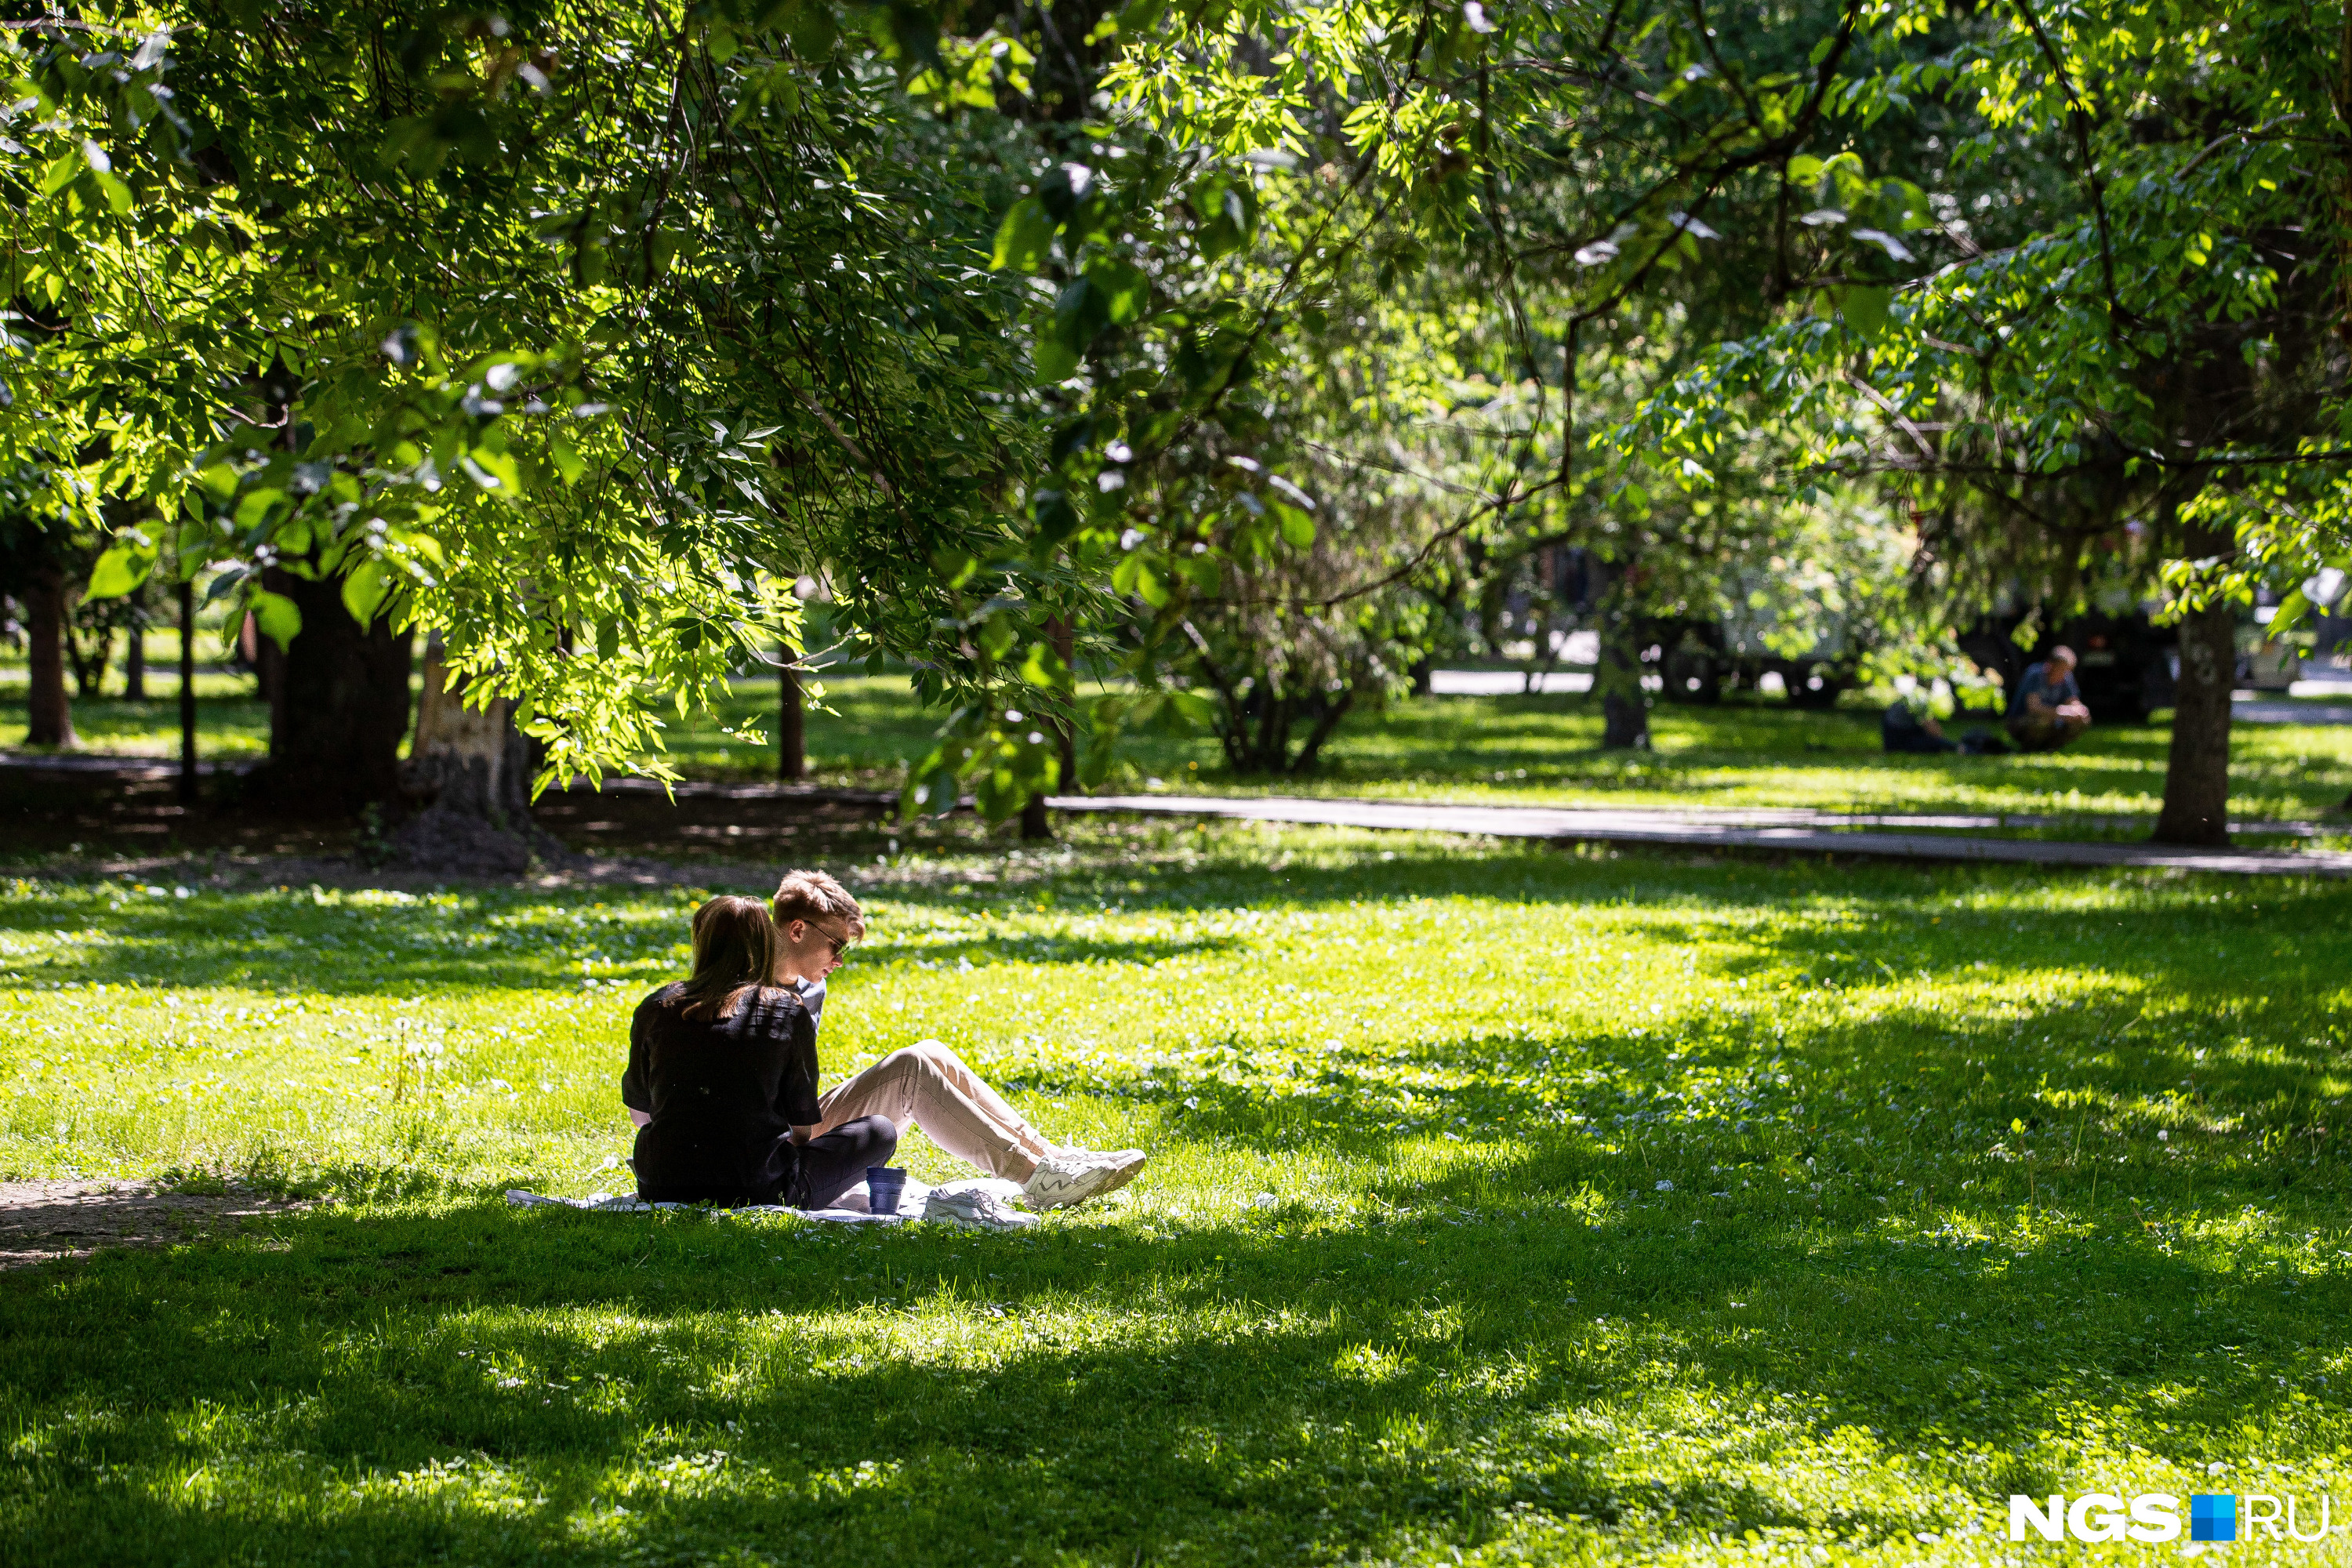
(134, 661)
(187, 693)
(2197, 773)
(1334, 711)
(1624, 706)
(1057, 631)
(338, 707)
(474, 767)
(90, 658)
(1035, 823)
(49, 713)
(792, 722)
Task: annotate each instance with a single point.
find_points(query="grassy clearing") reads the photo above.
(1621, 1207)
(1541, 749)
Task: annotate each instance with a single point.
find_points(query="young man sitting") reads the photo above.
(2047, 709)
(926, 1084)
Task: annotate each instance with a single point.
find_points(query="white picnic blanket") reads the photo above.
(850, 1208)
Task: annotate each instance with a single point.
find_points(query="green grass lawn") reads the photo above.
(1541, 749)
(1506, 1205)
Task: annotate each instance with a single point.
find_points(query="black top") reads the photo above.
(724, 1095)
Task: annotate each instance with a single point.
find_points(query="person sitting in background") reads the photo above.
(1910, 724)
(2046, 711)
(721, 1082)
(926, 1084)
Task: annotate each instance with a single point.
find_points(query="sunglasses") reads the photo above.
(838, 943)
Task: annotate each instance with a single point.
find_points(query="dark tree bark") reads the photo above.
(338, 705)
(187, 693)
(792, 722)
(134, 653)
(89, 656)
(50, 715)
(1057, 630)
(1035, 823)
(1624, 706)
(2197, 772)
(473, 769)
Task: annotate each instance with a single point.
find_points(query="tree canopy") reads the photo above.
(1218, 344)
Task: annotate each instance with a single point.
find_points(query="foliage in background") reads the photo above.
(572, 337)
(2075, 379)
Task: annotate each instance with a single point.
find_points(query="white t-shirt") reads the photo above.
(812, 995)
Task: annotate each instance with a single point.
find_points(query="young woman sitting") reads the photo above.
(722, 1081)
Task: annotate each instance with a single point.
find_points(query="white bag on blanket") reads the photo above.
(980, 1202)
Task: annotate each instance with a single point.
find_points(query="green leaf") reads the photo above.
(608, 640)
(1864, 309)
(1080, 311)
(1297, 528)
(1043, 667)
(118, 195)
(566, 459)
(123, 567)
(365, 590)
(280, 618)
(1124, 290)
(1228, 215)
(1055, 360)
(1194, 709)
(253, 512)
(1026, 238)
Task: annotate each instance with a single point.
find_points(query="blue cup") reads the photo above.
(884, 1184)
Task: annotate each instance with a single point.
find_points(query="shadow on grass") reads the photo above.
(496, 1386)
(396, 948)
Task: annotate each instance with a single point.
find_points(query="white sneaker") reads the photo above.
(1074, 1176)
(973, 1206)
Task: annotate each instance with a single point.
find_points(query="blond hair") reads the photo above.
(814, 896)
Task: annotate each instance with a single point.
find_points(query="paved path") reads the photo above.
(1727, 830)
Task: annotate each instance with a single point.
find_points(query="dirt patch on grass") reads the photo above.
(48, 1221)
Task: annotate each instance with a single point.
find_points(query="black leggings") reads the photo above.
(835, 1162)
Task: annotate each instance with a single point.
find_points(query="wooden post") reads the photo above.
(187, 693)
(792, 722)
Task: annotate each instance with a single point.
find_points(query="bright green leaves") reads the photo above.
(1862, 307)
(971, 72)
(365, 590)
(1225, 208)
(1003, 754)
(279, 617)
(1024, 239)
(1134, 575)
(1079, 312)
(123, 566)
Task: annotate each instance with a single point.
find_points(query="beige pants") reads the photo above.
(928, 1086)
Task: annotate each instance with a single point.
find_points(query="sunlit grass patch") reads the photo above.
(1505, 1204)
